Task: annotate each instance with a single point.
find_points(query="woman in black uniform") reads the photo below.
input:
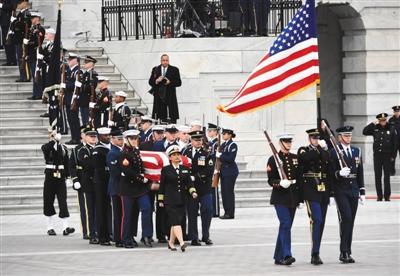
(175, 183)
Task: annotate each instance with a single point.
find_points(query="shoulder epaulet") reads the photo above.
(302, 150)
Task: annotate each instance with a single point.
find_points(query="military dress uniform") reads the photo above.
(285, 201)
(75, 168)
(101, 177)
(146, 135)
(56, 172)
(315, 189)
(348, 189)
(202, 172)
(89, 82)
(72, 115)
(114, 188)
(134, 188)
(102, 108)
(22, 22)
(229, 173)
(85, 158)
(385, 147)
(395, 122)
(214, 191)
(121, 116)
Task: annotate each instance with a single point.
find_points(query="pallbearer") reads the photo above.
(285, 195)
(348, 185)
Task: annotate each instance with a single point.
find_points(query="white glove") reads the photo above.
(300, 206)
(78, 84)
(332, 201)
(39, 56)
(323, 144)
(192, 178)
(1, 5)
(110, 123)
(63, 85)
(284, 183)
(76, 185)
(12, 19)
(218, 154)
(25, 41)
(68, 181)
(57, 137)
(145, 180)
(92, 105)
(344, 172)
(362, 199)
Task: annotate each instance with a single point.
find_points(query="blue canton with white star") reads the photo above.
(299, 29)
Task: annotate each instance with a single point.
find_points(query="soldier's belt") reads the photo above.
(79, 167)
(315, 175)
(54, 167)
(351, 176)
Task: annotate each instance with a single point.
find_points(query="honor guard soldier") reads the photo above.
(33, 42)
(284, 197)
(395, 122)
(201, 173)
(101, 177)
(101, 108)
(117, 142)
(348, 186)
(145, 128)
(75, 169)
(212, 133)
(385, 147)
(121, 114)
(87, 185)
(21, 26)
(7, 11)
(183, 139)
(71, 86)
(314, 163)
(169, 139)
(229, 172)
(134, 188)
(56, 174)
(88, 90)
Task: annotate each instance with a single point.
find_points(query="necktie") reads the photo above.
(348, 153)
(163, 72)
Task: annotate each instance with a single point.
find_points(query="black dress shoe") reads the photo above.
(19, 80)
(195, 243)
(44, 115)
(32, 98)
(226, 217)
(351, 260)
(316, 260)
(119, 244)
(183, 247)
(387, 199)
(162, 241)
(146, 242)
(105, 243)
(51, 232)
(379, 199)
(68, 230)
(135, 244)
(207, 241)
(288, 260)
(94, 241)
(344, 258)
(85, 237)
(278, 262)
(72, 142)
(129, 245)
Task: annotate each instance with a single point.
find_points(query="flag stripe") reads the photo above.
(270, 99)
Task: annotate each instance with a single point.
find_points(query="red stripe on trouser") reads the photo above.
(123, 216)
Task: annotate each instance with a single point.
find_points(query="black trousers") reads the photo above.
(215, 201)
(393, 168)
(90, 199)
(382, 162)
(73, 121)
(9, 48)
(83, 212)
(262, 10)
(347, 208)
(103, 206)
(248, 16)
(162, 229)
(117, 217)
(55, 187)
(228, 194)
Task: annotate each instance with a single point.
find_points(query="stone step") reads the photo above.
(22, 113)
(251, 202)
(22, 189)
(21, 95)
(22, 170)
(36, 121)
(21, 104)
(9, 70)
(8, 153)
(24, 199)
(21, 180)
(23, 131)
(90, 51)
(31, 209)
(17, 140)
(252, 192)
(252, 174)
(23, 161)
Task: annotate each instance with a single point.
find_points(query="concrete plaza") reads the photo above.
(243, 246)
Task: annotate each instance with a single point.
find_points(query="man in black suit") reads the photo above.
(164, 79)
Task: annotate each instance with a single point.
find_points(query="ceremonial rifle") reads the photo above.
(217, 168)
(335, 145)
(277, 159)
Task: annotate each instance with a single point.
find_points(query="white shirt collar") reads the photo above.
(72, 68)
(118, 105)
(106, 145)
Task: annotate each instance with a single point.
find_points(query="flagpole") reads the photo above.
(318, 94)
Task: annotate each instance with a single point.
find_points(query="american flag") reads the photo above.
(154, 161)
(290, 66)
